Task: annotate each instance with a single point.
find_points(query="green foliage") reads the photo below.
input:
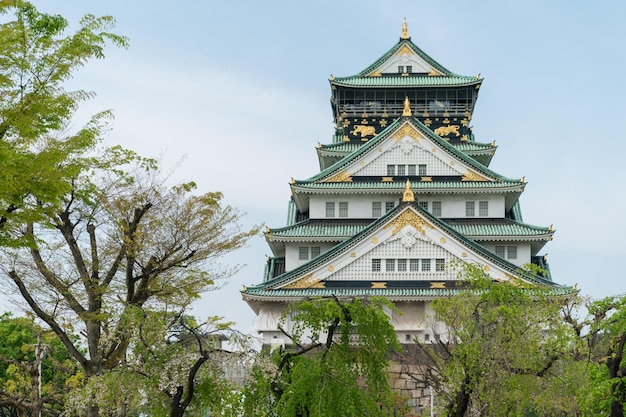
(92, 236)
(176, 362)
(21, 339)
(38, 158)
(605, 336)
(336, 366)
(498, 348)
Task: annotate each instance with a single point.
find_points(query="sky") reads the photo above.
(236, 95)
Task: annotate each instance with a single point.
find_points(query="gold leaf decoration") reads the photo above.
(379, 285)
(473, 176)
(304, 282)
(407, 130)
(343, 176)
(409, 217)
(437, 284)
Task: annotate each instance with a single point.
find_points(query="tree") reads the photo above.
(88, 236)
(603, 333)
(179, 364)
(117, 246)
(38, 157)
(336, 365)
(35, 370)
(498, 347)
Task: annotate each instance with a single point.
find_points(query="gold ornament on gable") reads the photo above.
(409, 218)
(406, 130)
(343, 176)
(304, 282)
(473, 176)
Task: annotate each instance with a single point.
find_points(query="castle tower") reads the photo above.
(403, 194)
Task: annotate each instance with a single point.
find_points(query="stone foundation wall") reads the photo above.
(404, 378)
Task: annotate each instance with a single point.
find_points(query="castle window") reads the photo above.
(400, 69)
(414, 265)
(423, 204)
(391, 170)
(425, 264)
(508, 252)
(401, 170)
(409, 69)
(511, 252)
(469, 208)
(376, 208)
(390, 265)
(389, 205)
(483, 208)
(375, 265)
(401, 265)
(421, 169)
(330, 209)
(343, 209)
(303, 252)
(411, 169)
(440, 265)
(436, 207)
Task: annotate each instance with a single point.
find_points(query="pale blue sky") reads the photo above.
(241, 88)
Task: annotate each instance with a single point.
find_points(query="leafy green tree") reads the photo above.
(38, 157)
(336, 365)
(89, 235)
(498, 347)
(115, 248)
(603, 333)
(35, 369)
(176, 362)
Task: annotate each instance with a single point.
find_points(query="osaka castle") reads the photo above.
(404, 194)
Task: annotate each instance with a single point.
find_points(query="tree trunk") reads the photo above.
(177, 409)
(458, 407)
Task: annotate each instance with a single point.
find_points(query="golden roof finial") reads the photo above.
(407, 107)
(408, 193)
(405, 30)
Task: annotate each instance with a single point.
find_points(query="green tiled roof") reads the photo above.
(446, 186)
(497, 228)
(347, 244)
(342, 229)
(412, 81)
(340, 148)
(390, 293)
(474, 147)
(447, 78)
(339, 229)
(352, 292)
(373, 143)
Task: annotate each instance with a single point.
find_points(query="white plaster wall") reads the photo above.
(452, 206)
(359, 206)
(415, 156)
(523, 251)
(292, 253)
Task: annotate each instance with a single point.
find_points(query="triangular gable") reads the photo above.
(407, 232)
(405, 53)
(405, 56)
(409, 139)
